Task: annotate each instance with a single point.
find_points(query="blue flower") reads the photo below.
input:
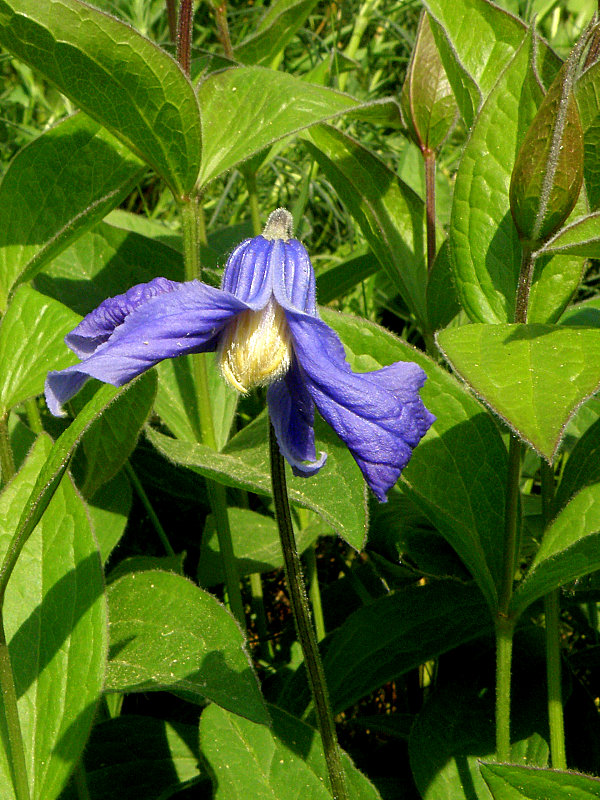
(264, 325)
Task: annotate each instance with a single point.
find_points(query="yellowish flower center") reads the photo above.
(255, 348)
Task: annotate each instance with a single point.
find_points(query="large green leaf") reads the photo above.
(391, 636)
(588, 101)
(455, 730)
(31, 343)
(109, 510)
(115, 75)
(570, 549)
(485, 251)
(533, 376)
(166, 633)
(457, 473)
(104, 262)
(274, 30)
(337, 493)
(57, 187)
(580, 238)
(142, 756)
(284, 762)
(256, 545)
(112, 440)
(56, 625)
(477, 39)
(583, 465)
(515, 782)
(391, 215)
(285, 105)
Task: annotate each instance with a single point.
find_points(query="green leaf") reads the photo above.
(109, 510)
(580, 238)
(588, 101)
(284, 762)
(166, 633)
(91, 58)
(286, 105)
(177, 405)
(455, 730)
(442, 300)
(513, 782)
(582, 467)
(276, 28)
(456, 475)
(56, 625)
(110, 443)
(477, 40)
(548, 171)
(31, 343)
(391, 636)
(533, 376)
(255, 544)
(137, 564)
(142, 756)
(428, 104)
(484, 245)
(570, 549)
(55, 189)
(105, 262)
(58, 461)
(391, 216)
(342, 277)
(337, 493)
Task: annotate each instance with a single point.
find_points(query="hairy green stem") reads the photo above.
(141, 492)
(304, 627)
(33, 415)
(553, 658)
(192, 222)
(504, 642)
(16, 751)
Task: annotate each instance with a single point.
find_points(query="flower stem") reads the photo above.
(553, 657)
(250, 178)
(33, 415)
(314, 591)
(172, 20)
(304, 627)
(137, 485)
(11, 714)
(193, 236)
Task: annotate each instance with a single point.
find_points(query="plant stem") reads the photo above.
(258, 608)
(184, 35)
(250, 178)
(137, 485)
(430, 163)
(172, 20)
(11, 714)
(304, 627)
(223, 28)
(504, 641)
(524, 285)
(7, 463)
(33, 415)
(553, 657)
(314, 591)
(193, 236)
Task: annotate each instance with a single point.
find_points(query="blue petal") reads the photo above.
(292, 413)
(379, 415)
(260, 267)
(185, 320)
(98, 325)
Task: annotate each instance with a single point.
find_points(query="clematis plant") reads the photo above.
(265, 328)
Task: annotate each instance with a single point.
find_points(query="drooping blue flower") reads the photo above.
(264, 325)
